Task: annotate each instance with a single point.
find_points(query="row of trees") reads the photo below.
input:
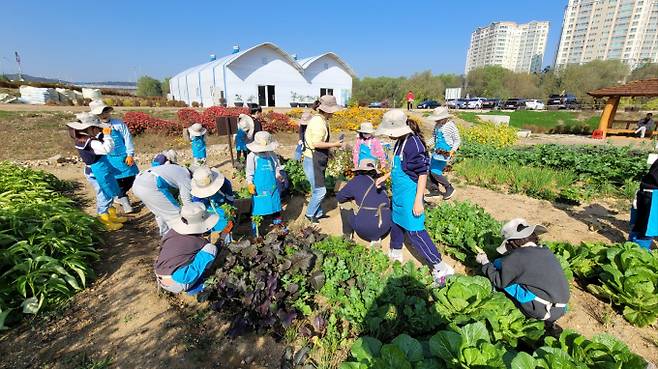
(496, 81)
(149, 86)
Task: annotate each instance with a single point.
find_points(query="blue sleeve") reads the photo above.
(347, 193)
(415, 160)
(165, 189)
(127, 138)
(192, 272)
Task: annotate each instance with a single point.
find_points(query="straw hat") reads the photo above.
(263, 142)
(517, 229)
(366, 165)
(194, 219)
(98, 107)
(245, 122)
(394, 124)
(196, 130)
(366, 127)
(206, 182)
(439, 113)
(86, 120)
(305, 118)
(328, 104)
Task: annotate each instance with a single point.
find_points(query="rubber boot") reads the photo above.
(114, 218)
(125, 204)
(109, 225)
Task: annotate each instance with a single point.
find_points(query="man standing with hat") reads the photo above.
(528, 273)
(446, 143)
(316, 154)
(122, 156)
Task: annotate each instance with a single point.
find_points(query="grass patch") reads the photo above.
(542, 121)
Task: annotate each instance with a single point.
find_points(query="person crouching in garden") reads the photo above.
(370, 216)
(196, 134)
(185, 254)
(122, 156)
(213, 190)
(644, 218)
(446, 143)
(263, 172)
(528, 273)
(368, 146)
(409, 176)
(160, 187)
(94, 142)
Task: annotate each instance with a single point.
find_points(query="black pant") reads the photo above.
(435, 180)
(125, 184)
(410, 105)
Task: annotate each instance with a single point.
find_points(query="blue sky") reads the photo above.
(118, 40)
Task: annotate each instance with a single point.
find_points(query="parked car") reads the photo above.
(514, 104)
(428, 104)
(566, 101)
(376, 104)
(491, 104)
(474, 103)
(534, 104)
(452, 103)
(461, 103)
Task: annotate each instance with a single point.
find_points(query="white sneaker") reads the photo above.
(396, 255)
(125, 205)
(440, 272)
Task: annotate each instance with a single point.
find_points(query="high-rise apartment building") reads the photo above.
(518, 47)
(609, 29)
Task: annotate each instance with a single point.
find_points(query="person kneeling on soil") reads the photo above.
(185, 254)
(644, 217)
(263, 174)
(213, 190)
(370, 217)
(529, 273)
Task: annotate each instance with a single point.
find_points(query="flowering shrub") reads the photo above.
(277, 122)
(349, 119)
(188, 116)
(489, 134)
(295, 113)
(210, 115)
(139, 122)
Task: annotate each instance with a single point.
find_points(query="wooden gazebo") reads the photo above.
(643, 88)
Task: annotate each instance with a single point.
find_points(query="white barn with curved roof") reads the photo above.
(266, 75)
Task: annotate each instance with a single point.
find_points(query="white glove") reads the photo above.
(482, 258)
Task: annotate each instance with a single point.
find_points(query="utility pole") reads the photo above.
(18, 61)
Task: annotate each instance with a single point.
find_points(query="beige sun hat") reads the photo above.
(366, 165)
(245, 122)
(366, 127)
(86, 120)
(194, 219)
(196, 130)
(98, 106)
(263, 142)
(394, 124)
(439, 113)
(328, 104)
(305, 118)
(206, 182)
(516, 229)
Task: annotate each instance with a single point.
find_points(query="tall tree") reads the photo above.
(165, 86)
(647, 70)
(148, 86)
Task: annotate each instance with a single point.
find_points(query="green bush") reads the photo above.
(147, 86)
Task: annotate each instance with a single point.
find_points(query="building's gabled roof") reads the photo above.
(307, 62)
(645, 87)
(233, 57)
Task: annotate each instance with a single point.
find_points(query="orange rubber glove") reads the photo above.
(228, 228)
(107, 130)
(252, 188)
(130, 161)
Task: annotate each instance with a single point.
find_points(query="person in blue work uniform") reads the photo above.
(529, 274)
(370, 213)
(122, 156)
(160, 188)
(170, 156)
(644, 213)
(213, 190)
(263, 177)
(185, 253)
(243, 136)
(197, 136)
(446, 143)
(368, 146)
(94, 142)
(408, 177)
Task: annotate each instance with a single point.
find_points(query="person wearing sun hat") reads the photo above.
(213, 190)
(170, 156)
(370, 216)
(367, 146)
(244, 135)
(316, 154)
(122, 156)
(408, 177)
(263, 172)
(185, 254)
(94, 142)
(196, 134)
(446, 143)
(528, 273)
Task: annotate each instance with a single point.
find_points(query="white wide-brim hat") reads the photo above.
(366, 127)
(245, 122)
(439, 113)
(366, 165)
(394, 124)
(98, 106)
(193, 219)
(517, 229)
(86, 120)
(206, 182)
(263, 142)
(196, 130)
(328, 104)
